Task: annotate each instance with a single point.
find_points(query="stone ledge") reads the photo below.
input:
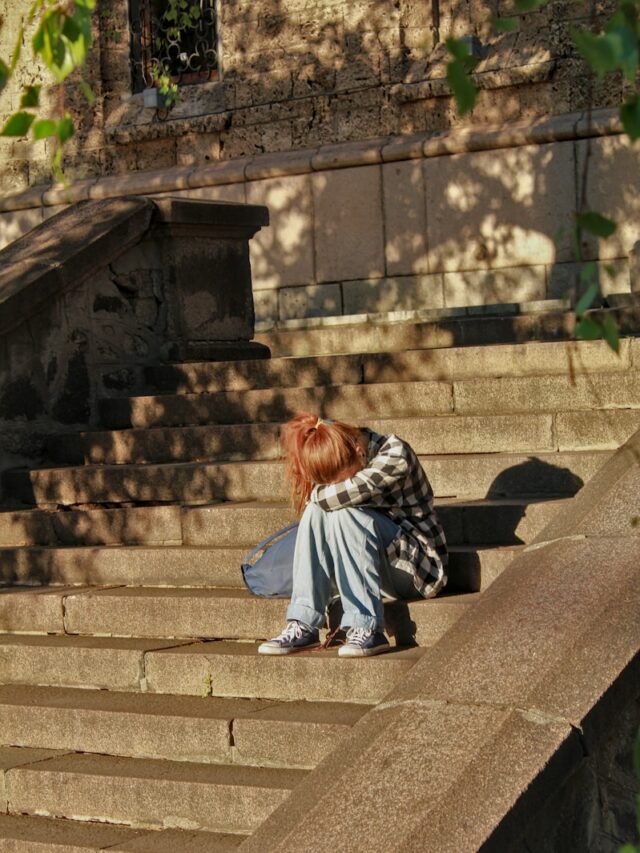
(438, 87)
(604, 122)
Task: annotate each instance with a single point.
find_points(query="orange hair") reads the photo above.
(316, 451)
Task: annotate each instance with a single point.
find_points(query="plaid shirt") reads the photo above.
(394, 482)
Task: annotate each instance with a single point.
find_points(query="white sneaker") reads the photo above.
(362, 643)
(294, 638)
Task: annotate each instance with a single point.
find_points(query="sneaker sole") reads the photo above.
(362, 653)
(275, 651)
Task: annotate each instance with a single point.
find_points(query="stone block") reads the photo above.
(392, 294)
(313, 301)
(405, 218)
(598, 430)
(31, 611)
(189, 841)
(293, 734)
(612, 277)
(265, 304)
(234, 193)
(241, 525)
(490, 287)
(150, 793)
(63, 661)
(176, 728)
(42, 835)
(348, 223)
(16, 223)
(283, 254)
(614, 191)
(235, 669)
(279, 165)
(192, 149)
(163, 565)
(544, 393)
(503, 208)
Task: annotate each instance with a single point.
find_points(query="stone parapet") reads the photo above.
(603, 122)
(93, 294)
(461, 218)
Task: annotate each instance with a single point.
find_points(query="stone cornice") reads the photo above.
(603, 122)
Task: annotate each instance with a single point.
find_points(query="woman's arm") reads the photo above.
(381, 474)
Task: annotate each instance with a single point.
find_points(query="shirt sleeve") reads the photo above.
(383, 473)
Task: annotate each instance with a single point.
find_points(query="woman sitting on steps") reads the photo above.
(367, 523)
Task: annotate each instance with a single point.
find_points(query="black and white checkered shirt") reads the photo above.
(394, 482)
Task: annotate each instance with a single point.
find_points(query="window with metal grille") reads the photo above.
(177, 37)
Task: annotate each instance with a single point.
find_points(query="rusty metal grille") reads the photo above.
(189, 54)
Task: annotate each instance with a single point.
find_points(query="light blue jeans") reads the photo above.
(346, 546)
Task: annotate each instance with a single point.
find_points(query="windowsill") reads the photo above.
(200, 103)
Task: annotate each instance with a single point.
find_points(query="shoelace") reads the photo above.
(358, 636)
(293, 630)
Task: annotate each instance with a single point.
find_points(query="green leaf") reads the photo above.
(588, 329)
(588, 272)
(598, 51)
(65, 128)
(4, 74)
(71, 29)
(505, 25)
(18, 124)
(15, 56)
(462, 86)
(596, 223)
(87, 91)
(457, 49)
(610, 332)
(624, 45)
(587, 298)
(30, 97)
(630, 116)
(44, 128)
(636, 755)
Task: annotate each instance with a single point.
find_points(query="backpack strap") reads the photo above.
(266, 542)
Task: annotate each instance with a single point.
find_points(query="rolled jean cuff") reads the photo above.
(307, 615)
(361, 620)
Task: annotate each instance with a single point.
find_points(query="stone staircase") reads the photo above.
(135, 713)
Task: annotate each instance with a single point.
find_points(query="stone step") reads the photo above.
(27, 834)
(149, 792)
(469, 476)
(174, 728)
(406, 331)
(228, 614)
(183, 667)
(529, 359)
(242, 525)
(179, 612)
(161, 525)
(471, 568)
(499, 521)
(502, 395)
(541, 431)
(235, 669)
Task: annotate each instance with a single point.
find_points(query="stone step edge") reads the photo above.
(533, 308)
(46, 834)
(93, 467)
(227, 716)
(191, 396)
(417, 315)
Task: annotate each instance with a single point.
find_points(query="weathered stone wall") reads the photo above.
(302, 73)
(105, 289)
(447, 222)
